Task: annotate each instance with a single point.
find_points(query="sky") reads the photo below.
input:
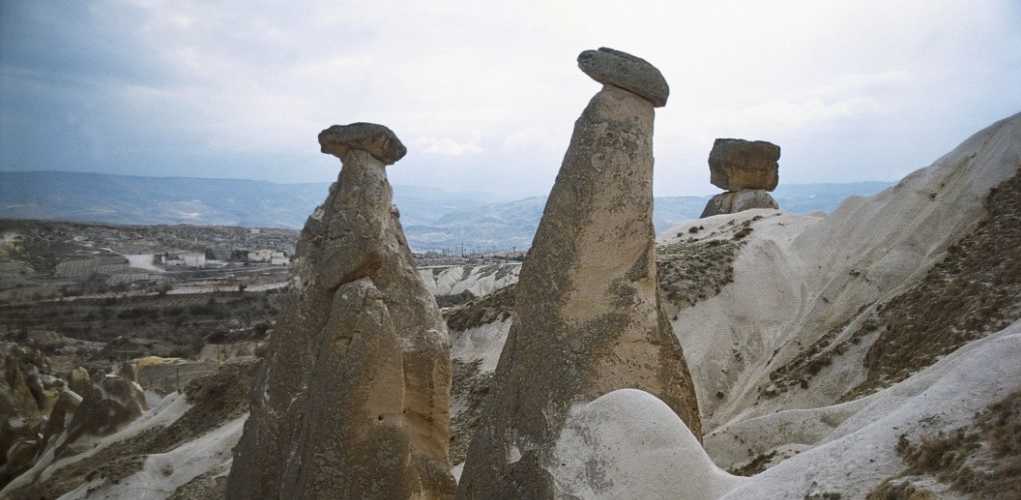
(485, 94)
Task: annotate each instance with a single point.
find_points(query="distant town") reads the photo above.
(49, 260)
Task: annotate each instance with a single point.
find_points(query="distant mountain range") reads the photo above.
(433, 219)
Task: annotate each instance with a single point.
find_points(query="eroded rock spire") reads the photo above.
(587, 318)
(352, 400)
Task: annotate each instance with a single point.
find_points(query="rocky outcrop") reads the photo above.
(748, 170)
(352, 400)
(24, 403)
(164, 451)
(64, 409)
(587, 318)
(106, 406)
(733, 202)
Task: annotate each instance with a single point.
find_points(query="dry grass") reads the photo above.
(982, 461)
(973, 292)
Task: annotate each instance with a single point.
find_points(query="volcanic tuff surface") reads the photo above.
(789, 322)
(587, 312)
(353, 398)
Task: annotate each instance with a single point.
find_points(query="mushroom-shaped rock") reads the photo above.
(737, 164)
(587, 314)
(377, 140)
(631, 73)
(353, 396)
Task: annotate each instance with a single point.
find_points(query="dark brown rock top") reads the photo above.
(626, 71)
(737, 164)
(377, 140)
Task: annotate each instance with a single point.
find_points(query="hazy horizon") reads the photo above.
(485, 96)
(500, 197)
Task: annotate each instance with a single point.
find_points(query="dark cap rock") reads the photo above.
(377, 140)
(626, 71)
(737, 164)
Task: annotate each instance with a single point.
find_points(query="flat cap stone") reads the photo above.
(626, 71)
(737, 164)
(377, 140)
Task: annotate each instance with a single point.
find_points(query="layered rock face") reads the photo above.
(733, 202)
(748, 170)
(587, 318)
(352, 400)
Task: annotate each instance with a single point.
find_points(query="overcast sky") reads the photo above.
(485, 94)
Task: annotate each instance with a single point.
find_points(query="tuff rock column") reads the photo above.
(352, 400)
(587, 319)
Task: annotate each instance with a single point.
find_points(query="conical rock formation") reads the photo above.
(587, 317)
(352, 400)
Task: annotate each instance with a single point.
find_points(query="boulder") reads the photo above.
(352, 400)
(587, 317)
(79, 381)
(63, 410)
(620, 69)
(733, 202)
(737, 164)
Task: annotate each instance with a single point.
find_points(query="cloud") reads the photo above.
(446, 146)
(485, 94)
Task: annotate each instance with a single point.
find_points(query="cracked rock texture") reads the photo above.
(352, 400)
(587, 317)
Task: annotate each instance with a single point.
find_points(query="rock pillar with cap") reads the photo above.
(352, 400)
(587, 319)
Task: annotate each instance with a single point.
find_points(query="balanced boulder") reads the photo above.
(737, 164)
(352, 400)
(748, 170)
(587, 318)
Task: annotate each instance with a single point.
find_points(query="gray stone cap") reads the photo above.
(377, 140)
(626, 71)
